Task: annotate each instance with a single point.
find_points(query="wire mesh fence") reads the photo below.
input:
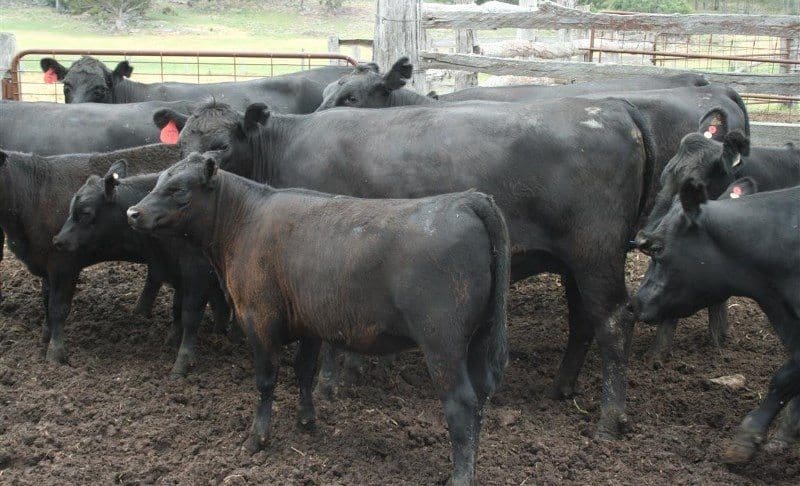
(27, 83)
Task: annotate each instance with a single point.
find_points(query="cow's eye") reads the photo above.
(84, 217)
(350, 100)
(219, 147)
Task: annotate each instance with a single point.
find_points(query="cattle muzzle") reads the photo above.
(62, 243)
(138, 220)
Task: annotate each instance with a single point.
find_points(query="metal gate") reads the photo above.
(25, 80)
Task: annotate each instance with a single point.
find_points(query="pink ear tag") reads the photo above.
(736, 192)
(711, 131)
(170, 133)
(50, 76)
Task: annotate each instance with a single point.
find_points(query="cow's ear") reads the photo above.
(3, 157)
(112, 177)
(123, 70)
(693, 194)
(48, 63)
(742, 187)
(210, 167)
(398, 74)
(166, 115)
(734, 146)
(120, 168)
(433, 95)
(256, 114)
(714, 124)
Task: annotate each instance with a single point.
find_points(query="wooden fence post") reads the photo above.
(398, 33)
(465, 43)
(526, 33)
(333, 47)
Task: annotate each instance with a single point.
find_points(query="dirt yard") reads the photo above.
(114, 417)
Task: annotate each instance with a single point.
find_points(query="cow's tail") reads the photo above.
(492, 338)
(737, 98)
(651, 171)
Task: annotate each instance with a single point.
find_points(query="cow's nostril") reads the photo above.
(133, 213)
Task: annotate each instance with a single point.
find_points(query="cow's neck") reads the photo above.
(267, 147)
(127, 91)
(237, 205)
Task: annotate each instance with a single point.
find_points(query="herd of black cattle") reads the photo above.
(391, 253)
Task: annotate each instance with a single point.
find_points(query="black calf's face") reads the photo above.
(683, 261)
(88, 80)
(701, 159)
(216, 128)
(92, 213)
(365, 87)
(182, 191)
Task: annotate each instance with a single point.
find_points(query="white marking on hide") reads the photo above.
(592, 123)
(592, 110)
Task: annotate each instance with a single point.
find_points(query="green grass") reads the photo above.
(241, 29)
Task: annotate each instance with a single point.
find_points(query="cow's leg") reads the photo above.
(788, 431)
(607, 307)
(485, 377)
(152, 285)
(62, 288)
(193, 303)
(328, 372)
(46, 323)
(2, 255)
(581, 334)
(266, 361)
(176, 331)
(718, 323)
(661, 349)
(220, 308)
(784, 386)
(451, 378)
(305, 368)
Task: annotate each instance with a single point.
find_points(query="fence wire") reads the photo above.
(163, 67)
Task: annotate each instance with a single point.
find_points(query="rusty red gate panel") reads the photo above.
(25, 80)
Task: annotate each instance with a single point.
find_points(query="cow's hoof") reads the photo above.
(612, 427)
(255, 443)
(57, 354)
(740, 450)
(655, 359)
(326, 390)
(307, 423)
(143, 310)
(183, 362)
(562, 392)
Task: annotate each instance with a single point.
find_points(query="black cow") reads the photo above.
(55, 128)
(366, 87)
(716, 164)
(370, 275)
(669, 114)
(89, 80)
(706, 251)
(34, 202)
(97, 221)
(571, 177)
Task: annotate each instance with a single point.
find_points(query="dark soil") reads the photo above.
(113, 416)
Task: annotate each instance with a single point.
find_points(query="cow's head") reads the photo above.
(687, 268)
(700, 158)
(87, 79)
(183, 194)
(216, 127)
(365, 87)
(92, 213)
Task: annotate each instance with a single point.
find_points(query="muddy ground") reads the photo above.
(112, 416)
